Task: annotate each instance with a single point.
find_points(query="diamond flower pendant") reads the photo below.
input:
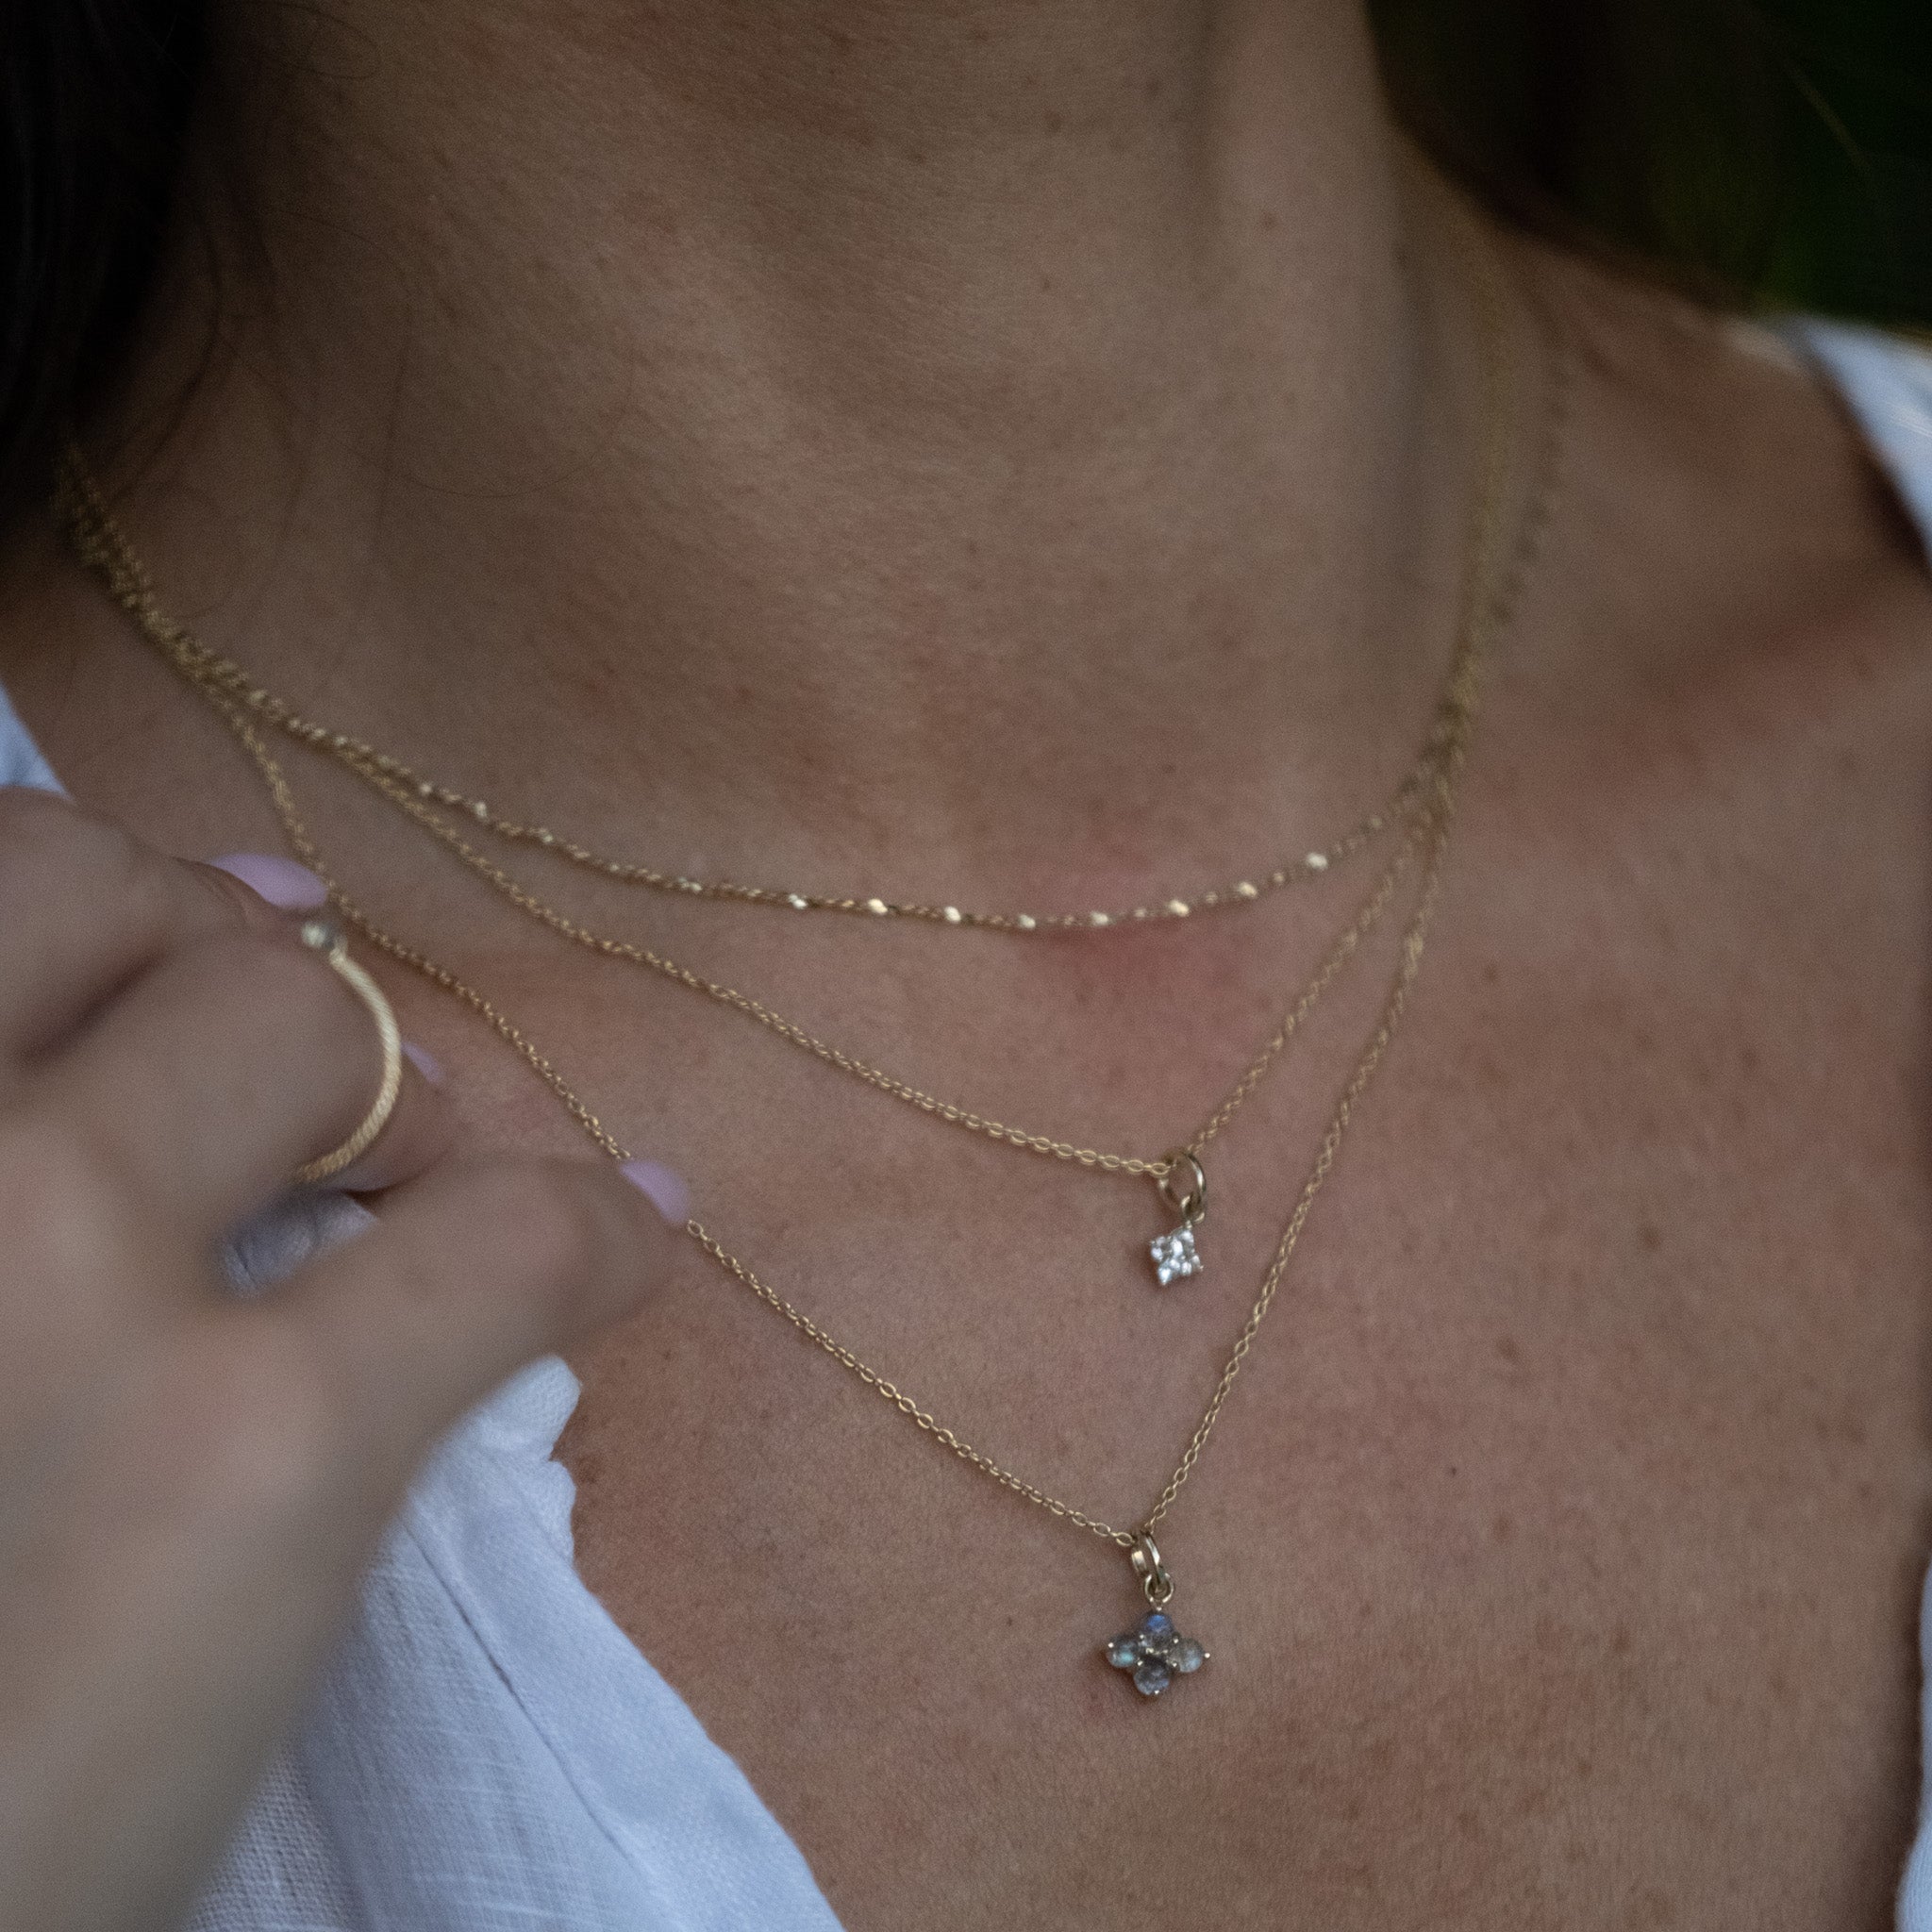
(1182, 1185)
(1175, 1257)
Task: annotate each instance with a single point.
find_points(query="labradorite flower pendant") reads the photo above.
(1155, 1652)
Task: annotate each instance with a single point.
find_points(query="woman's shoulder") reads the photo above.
(1745, 509)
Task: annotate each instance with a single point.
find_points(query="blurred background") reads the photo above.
(1777, 152)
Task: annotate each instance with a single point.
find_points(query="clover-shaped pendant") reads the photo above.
(1175, 1257)
(1156, 1654)
(1182, 1185)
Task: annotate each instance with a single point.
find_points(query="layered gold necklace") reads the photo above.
(1422, 810)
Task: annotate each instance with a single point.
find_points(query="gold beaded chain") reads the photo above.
(369, 762)
(108, 555)
(1491, 599)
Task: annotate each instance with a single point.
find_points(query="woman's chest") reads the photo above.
(1558, 1547)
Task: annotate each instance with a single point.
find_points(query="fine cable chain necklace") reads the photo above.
(1155, 1652)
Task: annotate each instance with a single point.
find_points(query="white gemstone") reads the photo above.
(951, 914)
(1178, 908)
(1247, 890)
(1175, 1257)
(1025, 922)
(1098, 919)
(878, 905)
(797, 901)
(1316, 861)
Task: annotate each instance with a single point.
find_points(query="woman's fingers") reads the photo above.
(221, 1070)
(471, 1272)
(230, 1480)
(194, 1483)
(85, 907)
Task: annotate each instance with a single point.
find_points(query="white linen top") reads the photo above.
(488, 1751)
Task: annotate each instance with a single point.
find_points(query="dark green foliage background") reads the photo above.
(1777, 152)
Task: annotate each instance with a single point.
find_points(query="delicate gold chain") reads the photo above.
(1488, 606)
(106, 550)
(361, 755)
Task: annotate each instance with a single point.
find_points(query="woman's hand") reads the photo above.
(189, 1484)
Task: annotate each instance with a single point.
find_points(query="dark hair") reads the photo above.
(1688, 133)
(97, 95)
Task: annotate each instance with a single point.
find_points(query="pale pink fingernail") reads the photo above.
(665, 1191)
(280, 881)
(424, 1061)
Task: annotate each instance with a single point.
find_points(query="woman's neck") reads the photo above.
(941, 426)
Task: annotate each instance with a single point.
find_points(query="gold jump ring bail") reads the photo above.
(1154, 1581)
(322, 936)
(1189, 1201)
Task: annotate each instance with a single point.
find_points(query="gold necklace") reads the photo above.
(113, 561)
(1155, 1652)
(369, 761)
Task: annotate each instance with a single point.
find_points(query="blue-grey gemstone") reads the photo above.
(1157, 1624)
(1151, 1678)
(1124, 1653)
(1190, 1657)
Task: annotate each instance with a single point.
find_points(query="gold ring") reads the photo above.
(326, 937)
